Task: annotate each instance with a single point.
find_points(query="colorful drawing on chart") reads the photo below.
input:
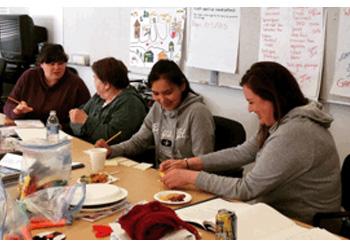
(156, 34)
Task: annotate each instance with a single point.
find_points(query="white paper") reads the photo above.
(123, 161)
(129, 163)
(12, 161)
(206, 211)
(341, 81)
(115, 161)
(260, 221)
(254, 222)
(214, 38)
(294, 37)
(29, 124)
(8, 131)
(143, 166)
(37, 133)
(156, 33)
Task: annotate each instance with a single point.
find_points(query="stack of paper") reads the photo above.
(37, 133)
(254, 222)
(29, 124)
(10, 168)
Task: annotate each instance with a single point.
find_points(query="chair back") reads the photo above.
(228, 133)
(73, 70)
(2, 66)
(345, 183)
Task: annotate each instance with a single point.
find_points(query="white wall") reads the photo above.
(221, 100)
(52, 19)
(49, 17)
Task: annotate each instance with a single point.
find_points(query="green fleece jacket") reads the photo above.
(125, 113)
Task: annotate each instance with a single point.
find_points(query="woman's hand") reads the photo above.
(179, 177)
(172, 164)
(22, 108)
(194, 163)
(78, 116)
(102, 144)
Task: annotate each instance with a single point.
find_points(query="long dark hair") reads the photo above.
(168, 70)
(112, 71)
(273, 82)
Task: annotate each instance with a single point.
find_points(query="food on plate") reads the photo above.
(174, 197)
(94, 178)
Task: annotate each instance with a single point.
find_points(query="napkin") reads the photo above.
(152, 221)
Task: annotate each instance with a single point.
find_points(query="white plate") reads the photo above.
(158, 196)
(120, 204)
(100, 194)
(110, 179)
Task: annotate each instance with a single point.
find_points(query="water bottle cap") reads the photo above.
(53, 112)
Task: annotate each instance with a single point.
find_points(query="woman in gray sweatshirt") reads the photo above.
(178, 125)
(297, 168)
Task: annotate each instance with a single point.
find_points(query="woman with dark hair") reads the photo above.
(115, 107)
(49, 86)
(178, 125)
(296, 162)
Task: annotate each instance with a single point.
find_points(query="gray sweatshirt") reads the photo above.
(185, 132)
(297, 171)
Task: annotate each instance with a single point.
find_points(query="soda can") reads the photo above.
(226, 225)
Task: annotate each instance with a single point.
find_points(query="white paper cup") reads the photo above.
(97, 158)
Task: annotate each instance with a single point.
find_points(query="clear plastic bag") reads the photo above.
(52, 206)
(43, 184)
(44, 165)
(13, 219)
(3, 208)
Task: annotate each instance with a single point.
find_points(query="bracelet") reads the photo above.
(187, 165)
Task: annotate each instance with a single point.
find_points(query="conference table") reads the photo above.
(141, 185)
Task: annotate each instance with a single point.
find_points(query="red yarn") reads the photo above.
(152, 221)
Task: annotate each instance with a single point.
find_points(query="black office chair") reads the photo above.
(338, 222)
(228, 133)
(2, 71)
(73, 70)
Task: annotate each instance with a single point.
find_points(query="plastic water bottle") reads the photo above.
(52, 127)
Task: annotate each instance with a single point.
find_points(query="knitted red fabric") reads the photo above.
(152, 221)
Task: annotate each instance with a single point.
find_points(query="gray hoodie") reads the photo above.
(297, 171)
(185, 132)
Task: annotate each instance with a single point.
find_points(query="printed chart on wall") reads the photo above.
(214, 37)
(294, 37)
(341, 82)
(156, 33)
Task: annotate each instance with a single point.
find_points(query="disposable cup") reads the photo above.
(97, 158)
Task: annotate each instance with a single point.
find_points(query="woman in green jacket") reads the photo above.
(115, 107)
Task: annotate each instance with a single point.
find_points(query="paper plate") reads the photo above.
(110, 179)
(164, 197)
(100, 194)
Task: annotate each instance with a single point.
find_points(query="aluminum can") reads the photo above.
(226, 225)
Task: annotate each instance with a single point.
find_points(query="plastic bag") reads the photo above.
(44, 165)
(52, 206)
(3, 208)
(13, 219)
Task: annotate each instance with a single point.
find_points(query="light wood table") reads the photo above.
(141, 185)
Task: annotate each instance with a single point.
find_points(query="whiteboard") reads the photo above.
(101, 32)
